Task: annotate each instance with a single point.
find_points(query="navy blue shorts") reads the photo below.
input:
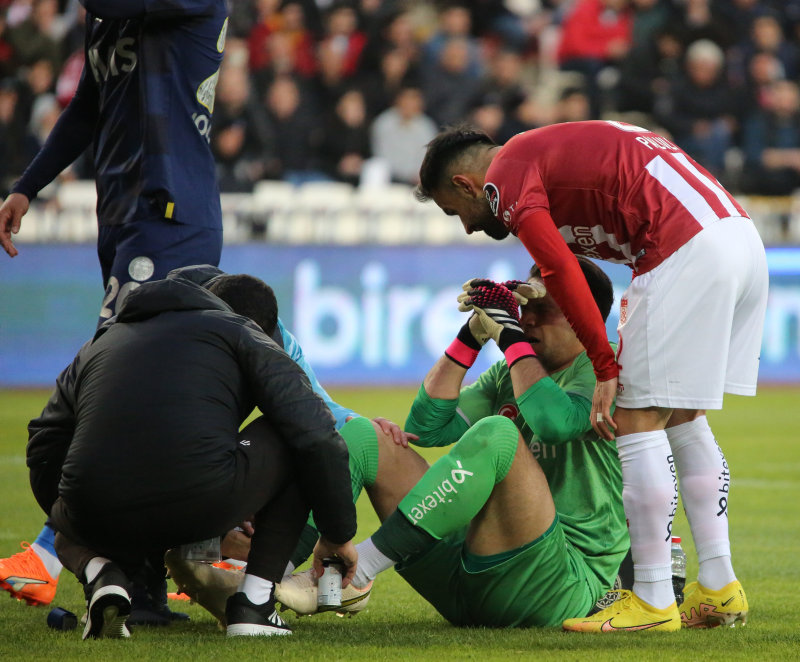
(134, 253)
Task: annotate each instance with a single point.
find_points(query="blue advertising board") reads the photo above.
(364, 315)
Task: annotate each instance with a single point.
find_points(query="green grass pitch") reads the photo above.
(758, 435)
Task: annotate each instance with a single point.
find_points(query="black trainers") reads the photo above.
(149, 601)
(248, 619)
(108, 605)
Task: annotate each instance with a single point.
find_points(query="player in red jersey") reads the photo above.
(690, 322)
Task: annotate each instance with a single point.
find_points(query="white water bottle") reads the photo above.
(678, 569)
(329, 586)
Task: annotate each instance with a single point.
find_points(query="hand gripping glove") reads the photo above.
(498, 311)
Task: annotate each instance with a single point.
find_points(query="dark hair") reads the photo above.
(442, 151)
(599, 283)
(248, 296)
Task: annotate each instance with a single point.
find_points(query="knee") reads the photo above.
(495, 435)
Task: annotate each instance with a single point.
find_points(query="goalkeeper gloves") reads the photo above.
(497, 308)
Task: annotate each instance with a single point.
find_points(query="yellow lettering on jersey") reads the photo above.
(169, 210)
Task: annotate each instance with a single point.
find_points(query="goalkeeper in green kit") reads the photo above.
(522, 523)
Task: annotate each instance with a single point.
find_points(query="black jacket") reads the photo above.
(161, 390)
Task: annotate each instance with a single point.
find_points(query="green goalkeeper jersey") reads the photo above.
(582, 469)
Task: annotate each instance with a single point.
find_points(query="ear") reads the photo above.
(467, 185)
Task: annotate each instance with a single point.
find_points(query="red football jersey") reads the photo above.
(611, 191)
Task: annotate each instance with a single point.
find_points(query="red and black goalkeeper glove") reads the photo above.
(497, 308)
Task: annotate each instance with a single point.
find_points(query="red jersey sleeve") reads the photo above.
(564, 280)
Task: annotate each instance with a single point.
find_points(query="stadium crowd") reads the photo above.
(332, 89)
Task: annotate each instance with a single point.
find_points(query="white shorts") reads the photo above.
(690, 329)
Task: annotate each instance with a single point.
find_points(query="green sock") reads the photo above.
(456, 487)
(362, 445)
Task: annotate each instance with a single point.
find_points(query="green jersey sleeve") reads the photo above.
(559, 415)
(440, 422)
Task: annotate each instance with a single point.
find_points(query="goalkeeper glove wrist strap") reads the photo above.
(514, 346)
(460, 353)
(517, 351)
(464, 349)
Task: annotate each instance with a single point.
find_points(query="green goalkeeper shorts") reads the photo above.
(539, 584)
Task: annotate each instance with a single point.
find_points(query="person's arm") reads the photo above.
(564, 280)
(283, 393)
(555, 415)
(115, 9)
(293, 349)
(71, 135)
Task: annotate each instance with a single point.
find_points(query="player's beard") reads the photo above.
(495, 229)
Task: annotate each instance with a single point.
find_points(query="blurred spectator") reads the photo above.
(267, 21)
(595, 34)
(37, 37)
(503, 79)
(296, 133)
(8, 63)
(281, 43)
(392, 32)
(449, 85)
(342, 38)
(345, 143)
(762, 71)
(38, 79)
(15, 142)
(399, 135)
(766, 36)
(699, 110)
(454, 22)
(380, 86)
(241, 134)
(771, 143)
(339, 53)
(699, 19)
(650, 72)
(498, 120)
(573, 106)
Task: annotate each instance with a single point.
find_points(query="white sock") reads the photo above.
(650, 497)
(371, 561)
(50, 561)
(705, 489)
(257, 590)
(94, 567)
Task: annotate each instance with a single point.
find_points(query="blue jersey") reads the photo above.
(293, 349)
(144, 101)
